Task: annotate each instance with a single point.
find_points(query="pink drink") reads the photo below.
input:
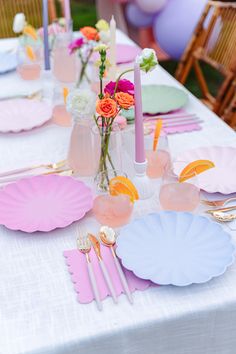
(179, 196)
(113, 211)
(83, 156)
(61, 116)
(64, 67)
(29, 71)
(158, 161)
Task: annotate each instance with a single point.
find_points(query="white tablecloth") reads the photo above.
(39, 313)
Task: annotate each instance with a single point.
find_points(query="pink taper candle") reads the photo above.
(139, 132)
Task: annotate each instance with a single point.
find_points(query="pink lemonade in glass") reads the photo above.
(158, 161)
(83, 154)
(29, 71)
(113, 211)
(61, 116)
(179, 196)
(64, 65)
(184, 196)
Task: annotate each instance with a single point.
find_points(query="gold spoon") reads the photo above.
(108, 238)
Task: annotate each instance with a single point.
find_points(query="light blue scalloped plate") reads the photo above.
(8, 62)
(176, 248)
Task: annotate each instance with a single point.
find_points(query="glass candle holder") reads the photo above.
(111, 210)
(29, 61)
(179, 196)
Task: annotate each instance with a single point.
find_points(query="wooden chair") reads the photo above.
(32, 10)
(229, 112)
(213, 43)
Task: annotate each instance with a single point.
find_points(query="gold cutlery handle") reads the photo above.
(221, 210)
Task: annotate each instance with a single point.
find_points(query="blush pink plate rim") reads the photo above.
(53, 177)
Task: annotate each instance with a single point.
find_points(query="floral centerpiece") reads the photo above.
(89, 38)
(113, 98)
(27, 32)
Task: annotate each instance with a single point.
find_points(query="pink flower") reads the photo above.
(123, 86)
(76, 44)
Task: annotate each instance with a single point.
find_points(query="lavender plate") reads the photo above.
(175, 248)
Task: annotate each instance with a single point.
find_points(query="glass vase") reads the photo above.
(109, 145)
(83, 155)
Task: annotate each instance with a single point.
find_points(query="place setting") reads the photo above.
(118, 161)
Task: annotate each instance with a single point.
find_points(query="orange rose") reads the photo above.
(90, 33)
(107, 107)
(124, 100)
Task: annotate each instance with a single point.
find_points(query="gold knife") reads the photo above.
(97, 248)
(211, 211)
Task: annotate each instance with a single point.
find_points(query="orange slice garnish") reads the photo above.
(122, 185)
(65, 94)
(157, 133)
(30, 53)
(195, 168)
(31, 32)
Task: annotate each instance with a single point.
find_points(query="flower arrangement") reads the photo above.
(21, 27)
(87, 42)
(81, 104)
(113, 98)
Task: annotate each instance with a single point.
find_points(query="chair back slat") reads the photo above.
(213, 42)
(32, 10)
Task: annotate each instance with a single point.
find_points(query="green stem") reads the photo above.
(119, 77)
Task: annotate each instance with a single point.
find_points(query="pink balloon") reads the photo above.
(151, 6)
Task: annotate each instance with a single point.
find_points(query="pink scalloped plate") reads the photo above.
(23, 114)
(221, 178)
(44, 203)
(125, 53)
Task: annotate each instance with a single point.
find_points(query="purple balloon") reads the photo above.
(137, 17)
(174, 25)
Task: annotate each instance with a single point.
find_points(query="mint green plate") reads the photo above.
(162, 99)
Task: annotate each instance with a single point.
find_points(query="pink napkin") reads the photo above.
(182, 127)
(77, 267)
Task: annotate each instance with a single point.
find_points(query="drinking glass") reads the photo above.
(83, 154)
(29, 66)
(179, 196)
(113, 211)
(60, 115)
(64, 66)
(158, 160)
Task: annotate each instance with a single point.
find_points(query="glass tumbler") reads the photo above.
(179, 196)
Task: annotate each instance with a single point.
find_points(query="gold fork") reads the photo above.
(217, 203)
(50, 166)
(84, 246)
